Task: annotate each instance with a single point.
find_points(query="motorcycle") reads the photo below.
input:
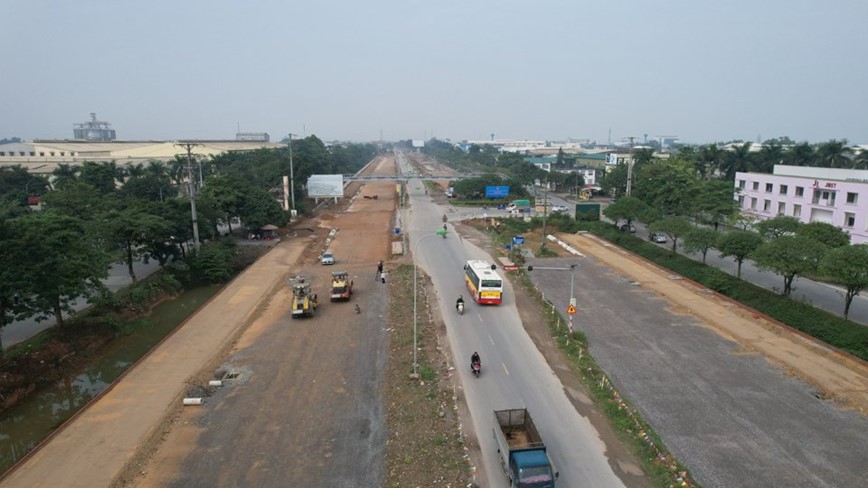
(476, 367)
(460, 307)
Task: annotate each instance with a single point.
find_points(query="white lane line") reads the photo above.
(504, 368)
(491, 339)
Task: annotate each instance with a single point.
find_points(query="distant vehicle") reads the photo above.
(519, 206)
(657, 237)
(522, 452)
(501, 206)
(327, 258)
(559, 208)
(622, 226)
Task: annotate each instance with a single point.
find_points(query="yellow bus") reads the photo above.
(484, 283)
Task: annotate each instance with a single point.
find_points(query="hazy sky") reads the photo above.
(412, 69)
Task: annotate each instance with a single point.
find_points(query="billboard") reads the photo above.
(588, 211)
(325, 186)
(496, 191)
(418, 143)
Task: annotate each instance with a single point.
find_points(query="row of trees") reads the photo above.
(515, 171)
(95, 214)
(782, 245)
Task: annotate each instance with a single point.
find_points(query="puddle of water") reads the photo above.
(27, 424)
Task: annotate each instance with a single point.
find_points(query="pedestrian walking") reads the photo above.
(379, 274)
(358, 309)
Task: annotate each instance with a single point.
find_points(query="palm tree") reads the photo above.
(834, 154)
(709, 160)
(770, 154)
(738, 159)
(802, 154)
(861, 161)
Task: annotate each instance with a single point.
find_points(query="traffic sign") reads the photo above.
(510, 267)
(571, 309)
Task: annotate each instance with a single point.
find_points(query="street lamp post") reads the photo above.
(291, 175)
(415, 315)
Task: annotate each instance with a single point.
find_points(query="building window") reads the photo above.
(768, 187)
(32, 153)
(852, 197)
(2, 153)
(784, 189)
(62, 153)
(752, 203)
(800, 191)
(767, 205)
(741, 201)
(849, 219)
(797, 211)
(41, 153)
(21, 153)
(756, 186)
(51, 153)
(782, 208)
(741, 184)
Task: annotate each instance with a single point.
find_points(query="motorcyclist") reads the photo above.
(474, 359)
(460, 302)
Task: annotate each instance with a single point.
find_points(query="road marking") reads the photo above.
(504, 368)
(491, 339)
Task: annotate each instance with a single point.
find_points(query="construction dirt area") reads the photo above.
(305, 402)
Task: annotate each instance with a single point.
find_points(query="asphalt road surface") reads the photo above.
(729, 415)
(515, 374)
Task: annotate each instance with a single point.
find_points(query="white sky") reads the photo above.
(703, 70)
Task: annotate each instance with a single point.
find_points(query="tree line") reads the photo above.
(94, 214)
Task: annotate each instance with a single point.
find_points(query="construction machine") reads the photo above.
(342, 286)
(304, 302)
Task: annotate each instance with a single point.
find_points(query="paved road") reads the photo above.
(118, 278)
(732, 418)
(515, 374)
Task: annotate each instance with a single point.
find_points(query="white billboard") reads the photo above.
(418, 143)
(325, 186)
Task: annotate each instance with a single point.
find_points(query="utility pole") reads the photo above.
(189, 146)
(291, 175)
(630, 168)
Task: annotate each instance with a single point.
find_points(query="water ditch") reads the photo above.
(25, 425)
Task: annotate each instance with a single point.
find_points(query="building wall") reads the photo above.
(842, 202)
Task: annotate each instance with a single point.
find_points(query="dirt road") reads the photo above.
(127, 437)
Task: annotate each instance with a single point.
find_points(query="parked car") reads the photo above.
(657, 237)
(559, 208)
(327, 258)
(622, 226)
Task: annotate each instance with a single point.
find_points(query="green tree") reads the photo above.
(62, 262)
(833, 154)
(778, 226)
(135, 231)
(13, 276)
(667, 185)
(802, 154)
(828, 234)
(75, 199)
(768, 156)
(847, 266)
(627, 209)
(676, 227)
(738, 245)
(708, 160)
(259, 208)
(614, 180)
(226, 195)
(701, 240)
(712, 202)
(789, 256)
(739, 159)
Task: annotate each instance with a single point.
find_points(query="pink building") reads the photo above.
(835, 196)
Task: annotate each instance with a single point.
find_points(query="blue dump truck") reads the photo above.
(522, 452)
